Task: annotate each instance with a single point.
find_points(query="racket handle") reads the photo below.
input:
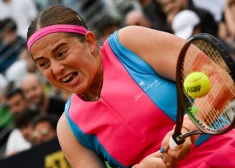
(173, 145)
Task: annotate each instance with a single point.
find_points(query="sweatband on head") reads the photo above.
(65, 28)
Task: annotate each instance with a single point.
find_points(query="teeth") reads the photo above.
(67, 78)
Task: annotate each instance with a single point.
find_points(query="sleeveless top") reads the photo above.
(136, 109)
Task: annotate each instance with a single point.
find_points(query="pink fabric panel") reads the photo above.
(217, 152)
(121, 123)
(203, 165)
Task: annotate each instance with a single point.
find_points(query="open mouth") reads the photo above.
(69, 78)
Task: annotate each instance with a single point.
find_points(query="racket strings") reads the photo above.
(214, 110)
(217, 119)
(215, 56)
(187, 68)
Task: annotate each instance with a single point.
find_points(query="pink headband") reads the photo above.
(54, 29)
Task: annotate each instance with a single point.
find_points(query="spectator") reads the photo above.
(106, 26)
(16, 143)
(207, 22)
(136, 17)
(215, 7)
(17, 105)
(172, 7)
(19, 69)
(3, 84)
(6, 120)
(22, 13)
(44, 127)
(15, 100)
(185, 24)
(154, 13)
(226, 26)
(229, 17)
(35, 93)
(24, 123)
(11, 44)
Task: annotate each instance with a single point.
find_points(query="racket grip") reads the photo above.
(173, 145)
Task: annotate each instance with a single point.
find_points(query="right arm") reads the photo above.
(80, 157)
(77, 155)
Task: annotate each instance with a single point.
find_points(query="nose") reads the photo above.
(56, 67)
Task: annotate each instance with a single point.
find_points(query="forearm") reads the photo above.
(154, 160)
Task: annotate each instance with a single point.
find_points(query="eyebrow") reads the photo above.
(58, 46)
(53, 50)
(37, 59)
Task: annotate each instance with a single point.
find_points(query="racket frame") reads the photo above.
(182, 106)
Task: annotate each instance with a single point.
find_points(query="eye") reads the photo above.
(42, 64)
(62, 53)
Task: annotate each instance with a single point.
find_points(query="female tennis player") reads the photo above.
(124, 100)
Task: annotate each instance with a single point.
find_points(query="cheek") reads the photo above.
(51, 79)
(75, 60)
(48, 75)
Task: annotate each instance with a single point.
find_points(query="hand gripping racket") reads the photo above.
(212, 114)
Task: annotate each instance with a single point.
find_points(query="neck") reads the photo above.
(94, 92)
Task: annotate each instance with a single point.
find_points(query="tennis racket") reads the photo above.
(212, 114)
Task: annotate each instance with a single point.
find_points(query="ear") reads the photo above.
(90, 40)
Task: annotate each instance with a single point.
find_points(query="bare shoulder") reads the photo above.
(137, 30)
(62, 124)
(64, 132)
(159, 49)
(139, 35)
(144, 41)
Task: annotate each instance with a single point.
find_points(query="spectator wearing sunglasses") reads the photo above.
(44, 127)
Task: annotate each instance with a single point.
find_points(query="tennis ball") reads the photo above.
(197, 84)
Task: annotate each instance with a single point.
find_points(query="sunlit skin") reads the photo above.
(58, 56)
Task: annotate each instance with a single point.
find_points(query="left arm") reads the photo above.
(159, 49)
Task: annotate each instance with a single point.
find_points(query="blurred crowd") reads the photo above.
(30, 107)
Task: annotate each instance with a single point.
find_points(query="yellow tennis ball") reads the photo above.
(197, 84)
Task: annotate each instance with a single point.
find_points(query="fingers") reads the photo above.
(152, 161)
(155, 154)
(166, 159)
(174, 156)
(165, 142)
(157, 160)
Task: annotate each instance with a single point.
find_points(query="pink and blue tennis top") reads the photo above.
(136, 109)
